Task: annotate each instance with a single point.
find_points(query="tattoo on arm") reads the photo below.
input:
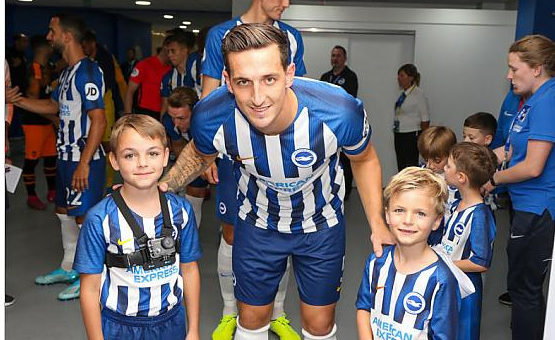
(189, 165)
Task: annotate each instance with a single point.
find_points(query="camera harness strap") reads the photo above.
(140, 256)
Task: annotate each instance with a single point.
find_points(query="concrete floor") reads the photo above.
(33, 247)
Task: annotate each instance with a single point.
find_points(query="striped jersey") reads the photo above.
(421, 305)
(469, 234)
(80, 89)
(213, 60)
(192, 74)
(134, 291)
(170, 81)
(291, 182)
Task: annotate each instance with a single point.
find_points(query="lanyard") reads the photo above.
(401, 100)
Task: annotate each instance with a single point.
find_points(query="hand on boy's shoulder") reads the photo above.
(381, 236)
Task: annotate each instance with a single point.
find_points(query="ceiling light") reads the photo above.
(182, 26)
(313, 29)
(186, 22)
(25, 0)
(142, 3)
(168, 16)
(196, 31)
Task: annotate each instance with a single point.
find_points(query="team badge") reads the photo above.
(304, 158)
(222, 208)
(459, 229)
(414, 303)
(135, 72)
(91, 91)
(341, 81)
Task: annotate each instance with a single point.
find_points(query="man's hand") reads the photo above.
(192, 336)
(211, 174)
(487, 188)
(80, 179)
(13, 95)
(380, 236)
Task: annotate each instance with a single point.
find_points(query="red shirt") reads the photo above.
(148, 75)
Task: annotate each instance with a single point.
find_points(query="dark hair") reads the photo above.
(159, 49)
(255, 36)
(482, 121)
(181, 37)
(476, 161)
(436, 142)
(411, 71)
(89, 36)
(39, 41)
(536, 50)
(73, 24)
(182, 97)
(339, 47)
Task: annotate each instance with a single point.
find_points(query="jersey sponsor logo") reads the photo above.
(222, 208)
(135, 72)
(304, 158)
(414, 303)
(389, 330)
(145, 276)
(91, 91)
(121, 243)
(292, 186)
(459, 229)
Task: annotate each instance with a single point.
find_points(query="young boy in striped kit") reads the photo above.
(410, 292)
(137, 302)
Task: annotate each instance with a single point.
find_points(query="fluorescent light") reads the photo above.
(313, 29)
(142, 3)
(196, 31)
(182, 26)
(25, 0)
(186, 22)
(168, 16)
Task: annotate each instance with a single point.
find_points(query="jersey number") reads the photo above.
(73, 197)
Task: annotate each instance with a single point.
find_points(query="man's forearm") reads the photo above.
(41, 106)
(188, 166)
(128, 102)
(368, 176)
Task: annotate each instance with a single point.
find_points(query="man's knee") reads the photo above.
(254, 317)
(227, 233)
(319, 327)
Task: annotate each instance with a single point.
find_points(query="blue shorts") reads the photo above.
(170, 325)
(226, 192)
(260, 258)
(78, 203)
(471, 311)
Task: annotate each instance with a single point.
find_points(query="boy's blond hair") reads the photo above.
(144, 125)
(435, 142)
(412, 178)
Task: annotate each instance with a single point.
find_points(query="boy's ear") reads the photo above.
(386, 216)
(166, 156)
(488, 139)
(437, 222)
(113, 160)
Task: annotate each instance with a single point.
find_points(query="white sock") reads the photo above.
(282, 291)
(255, 334)
(196, 202)
(330, 336)
(225, 274)
(70, 233)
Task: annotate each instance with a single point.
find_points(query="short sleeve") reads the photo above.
(422, 106)
(165, 89)
(482, 236)
(542, 124)
(355, 129)
(90, 84)
(189, 244)
(137, 75)
(365, 296)
(444, 324)
(300, 69)
(91, 247)
(212, 60)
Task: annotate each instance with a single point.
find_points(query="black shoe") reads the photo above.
(505, 299)
(10, 300)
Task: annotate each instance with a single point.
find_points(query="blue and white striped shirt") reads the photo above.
(421, 305)
(291, 182)
(133, 291)
(171, 80)
(213, 60)
(80, 89)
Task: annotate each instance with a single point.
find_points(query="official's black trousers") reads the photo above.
(529, 251)
(406, 149)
